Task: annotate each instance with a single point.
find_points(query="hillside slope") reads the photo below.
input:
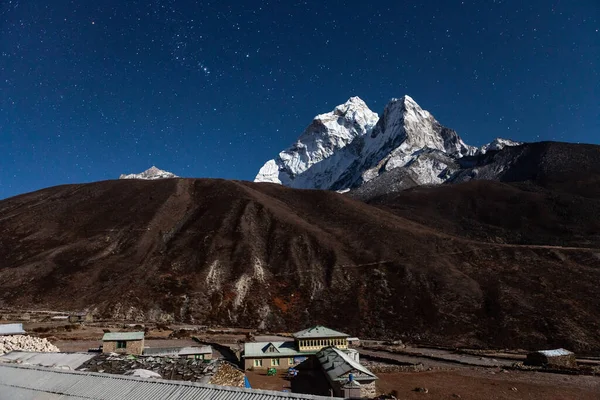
(263, 255)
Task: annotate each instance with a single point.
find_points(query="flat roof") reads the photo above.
(55, 360)
(191, 350)
(25, 382)
(555, 352)
(114, 336)
(11, 329)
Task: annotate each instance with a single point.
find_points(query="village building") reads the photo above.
(11, 329)
(558, 358)
(317, 337)
(81, 317)
(353, 342)
(123, 342)
(195, 352)
(283, 355)
(346, 375)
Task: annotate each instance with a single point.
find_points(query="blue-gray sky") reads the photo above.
(92, 89)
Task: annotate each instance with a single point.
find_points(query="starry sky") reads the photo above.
(93, 89)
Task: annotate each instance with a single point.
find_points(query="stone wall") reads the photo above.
(367, 389)
(132, 347)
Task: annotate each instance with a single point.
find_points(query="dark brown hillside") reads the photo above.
(246, 254)
(517, 213)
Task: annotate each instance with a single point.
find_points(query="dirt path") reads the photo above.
(434, 358)
(477, 384)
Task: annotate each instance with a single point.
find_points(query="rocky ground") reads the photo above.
(183, 369)
(479, 383)
(25, 343)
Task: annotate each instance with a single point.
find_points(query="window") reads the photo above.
(290, 361)
(272, 349)
(274, 362)
(258, 363)
(121, 344)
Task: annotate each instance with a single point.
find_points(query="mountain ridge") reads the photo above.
(370, 146)
(469, 264)
(150, 174)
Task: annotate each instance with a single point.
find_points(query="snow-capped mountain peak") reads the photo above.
(326, 135)
(351, 145)
(150, 174)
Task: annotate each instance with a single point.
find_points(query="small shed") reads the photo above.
(558, 358)
(353, 342)
(196, 352)
(123, 342)
(11, 329)
(81, 317)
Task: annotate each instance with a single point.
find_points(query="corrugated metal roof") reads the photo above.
(56, 360)
(14, 393)
(177, 351)
(112, 336)
(556, 352)
(11, 329)
(187, 351)
(338, 365)
(283, 349)
(22, 382)
(318, 332)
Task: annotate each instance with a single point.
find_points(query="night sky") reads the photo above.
(93, 89)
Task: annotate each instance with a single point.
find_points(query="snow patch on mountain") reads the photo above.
(150, 174)
(498, 144)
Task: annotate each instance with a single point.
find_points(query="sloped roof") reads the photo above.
(186, 351)
(22, 382)
(11, 329)
(113, 336)
(284, 349)
(318, 332)
(337, 365)
(55, 360)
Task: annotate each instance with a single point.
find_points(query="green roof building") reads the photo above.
(282, 355)
(123, 342)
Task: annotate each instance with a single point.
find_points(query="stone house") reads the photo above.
(196, 352)
(81, 317)
(286, 354)
(558, 358)
(346, 375)
(123, 342)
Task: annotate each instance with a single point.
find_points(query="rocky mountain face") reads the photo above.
(351, 146)
(316, 160)
(479, 263)
(150, 174)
